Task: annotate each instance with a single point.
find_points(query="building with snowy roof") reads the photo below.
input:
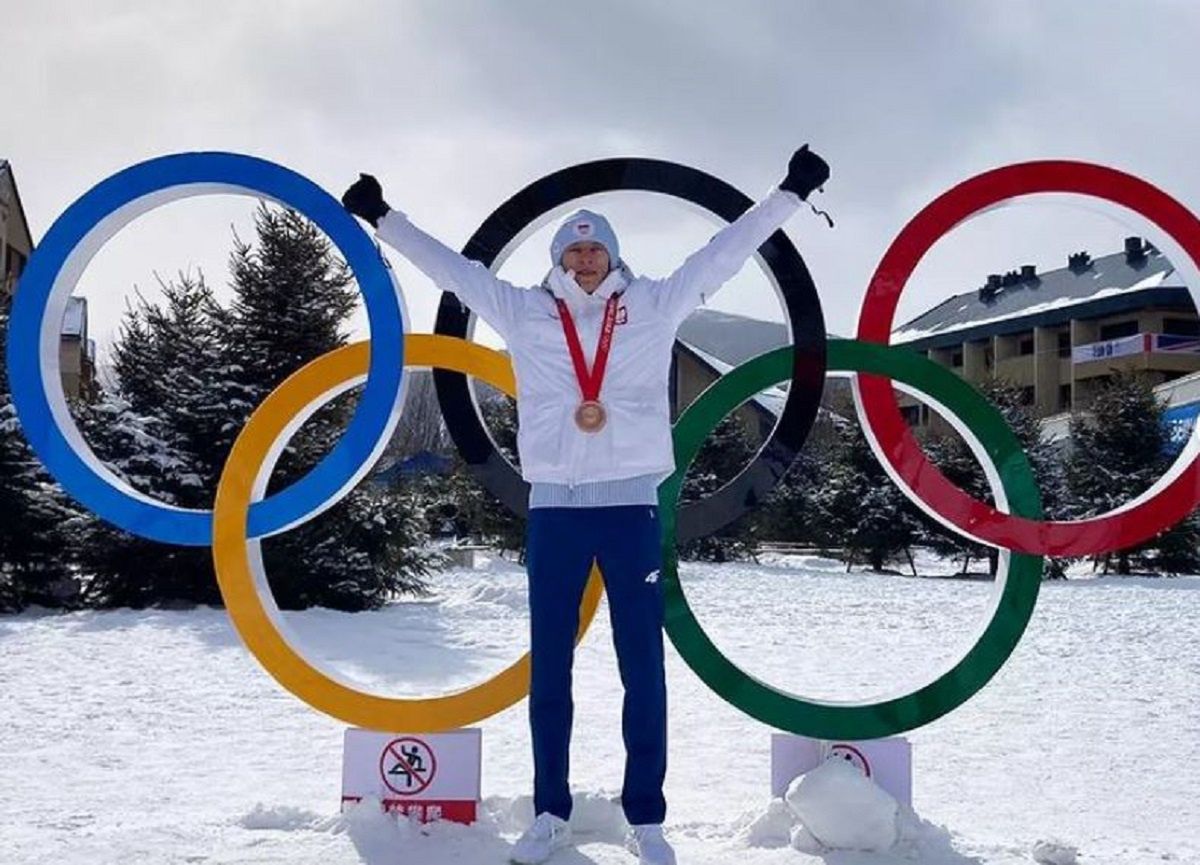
(16, 243)
(709, 344)
(77, 353)
(1059, 335)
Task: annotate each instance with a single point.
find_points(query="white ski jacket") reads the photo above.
(636, 440)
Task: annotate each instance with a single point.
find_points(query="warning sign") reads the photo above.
(887, 762)
(851, 755)
(407, 766)
(429, 776)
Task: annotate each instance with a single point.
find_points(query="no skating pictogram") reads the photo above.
(407, 766)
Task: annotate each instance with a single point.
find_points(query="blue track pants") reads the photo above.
(561, 544)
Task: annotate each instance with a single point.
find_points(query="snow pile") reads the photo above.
(836, 807)
(382, 838)
(1055, 853)
(283, 818)
(842, 809)
(772, 828)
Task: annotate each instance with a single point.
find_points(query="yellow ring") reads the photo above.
(251, 606)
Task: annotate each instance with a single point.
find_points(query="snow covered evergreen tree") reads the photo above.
(161, 430)
(461, 499)
(727, 450)
(37, 532)
(1119, 448)
(787, 513)
(189, 373)
(858, 509)
(292, 299)
(951, 454)
(122, 569)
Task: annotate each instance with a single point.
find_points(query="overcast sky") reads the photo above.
(457, 105)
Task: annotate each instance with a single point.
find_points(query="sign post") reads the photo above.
(887, 762)
(432, 776)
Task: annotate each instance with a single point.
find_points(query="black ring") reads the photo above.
(510, 219)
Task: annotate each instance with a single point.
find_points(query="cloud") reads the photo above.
(456, 105)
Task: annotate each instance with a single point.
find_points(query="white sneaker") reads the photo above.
(547, 834)
(651, 847)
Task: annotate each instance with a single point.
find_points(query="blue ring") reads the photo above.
(374, 417)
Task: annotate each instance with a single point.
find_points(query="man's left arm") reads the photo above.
(708, 268)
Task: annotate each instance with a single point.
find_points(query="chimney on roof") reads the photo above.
(1029, 273)
(1134, 250)
(1079, 261)
(988, 293)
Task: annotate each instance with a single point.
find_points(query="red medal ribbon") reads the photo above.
(589, 383)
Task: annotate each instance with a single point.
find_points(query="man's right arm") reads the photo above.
(496, 301)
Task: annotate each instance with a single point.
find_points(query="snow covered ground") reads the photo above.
(153, 737)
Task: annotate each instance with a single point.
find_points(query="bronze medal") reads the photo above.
(591, 416)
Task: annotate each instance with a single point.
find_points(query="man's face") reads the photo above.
(589, 260)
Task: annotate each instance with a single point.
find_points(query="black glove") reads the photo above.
(365, 200)
(806, 171)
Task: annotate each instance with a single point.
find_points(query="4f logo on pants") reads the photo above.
(652, 577)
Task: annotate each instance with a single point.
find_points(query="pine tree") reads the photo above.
(293, 297)
(857, 508)
(788, 511)
(189, 374)
(37, 532)
(956, 461)
(161, 430)
(126, 570)
(461, 498)
(1119, 448)
(726, 451)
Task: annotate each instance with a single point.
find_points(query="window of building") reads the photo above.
(911, 414)
(1064, 343)
(956, 359)
(1118, 329)
(1026, 345)
(1182, 326)
(1027, 395)
(1064, 397)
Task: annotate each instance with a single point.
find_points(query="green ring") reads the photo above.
(1018, 583)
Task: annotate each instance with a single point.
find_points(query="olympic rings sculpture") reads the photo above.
(243, 515)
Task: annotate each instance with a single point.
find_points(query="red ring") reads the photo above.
(896, 445)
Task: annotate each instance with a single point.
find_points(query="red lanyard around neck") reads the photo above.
(590, 382)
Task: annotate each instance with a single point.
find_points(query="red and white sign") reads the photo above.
(433, 776)
(887, 762)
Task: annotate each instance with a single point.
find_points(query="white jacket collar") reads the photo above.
(561, 283)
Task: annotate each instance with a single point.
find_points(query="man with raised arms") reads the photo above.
(591, 349)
